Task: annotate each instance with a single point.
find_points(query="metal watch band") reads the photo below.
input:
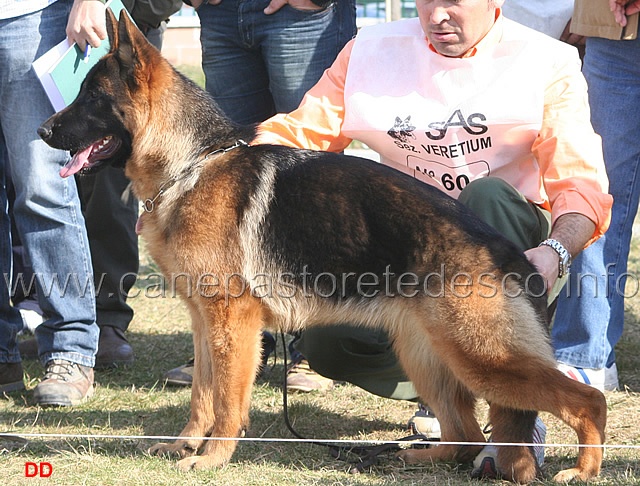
(564, 256)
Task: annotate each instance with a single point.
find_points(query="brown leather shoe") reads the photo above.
(114, 350)
(64, 384)
(11, 377)
(301, 378)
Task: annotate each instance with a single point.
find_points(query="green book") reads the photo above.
(62, 69)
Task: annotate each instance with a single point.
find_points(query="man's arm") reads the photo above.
(317, 123)
(573, 231)
(569, 151)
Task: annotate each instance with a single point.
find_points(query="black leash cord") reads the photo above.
(367, 456)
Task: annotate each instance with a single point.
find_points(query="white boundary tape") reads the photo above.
(24, 436)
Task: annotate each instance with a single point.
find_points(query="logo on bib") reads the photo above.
(470, 124)
(402, 129)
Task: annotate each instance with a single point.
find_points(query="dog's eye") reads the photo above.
(94, 94)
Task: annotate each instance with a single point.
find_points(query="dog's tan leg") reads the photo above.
(202, 405)
(498, 349)
(522, 382)
(452, 403)
(234, 345)
(584, 409)
(457, 424)
(514, 426)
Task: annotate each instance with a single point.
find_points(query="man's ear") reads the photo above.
(112, 30)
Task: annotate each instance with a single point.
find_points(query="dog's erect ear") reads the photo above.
(130, 45)
(112, 29)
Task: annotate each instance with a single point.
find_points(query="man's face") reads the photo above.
(455, 26)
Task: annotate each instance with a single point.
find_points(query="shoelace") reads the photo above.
(59, 370)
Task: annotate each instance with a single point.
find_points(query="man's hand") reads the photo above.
(622, 8)
(273, 6)
(545, 259)
(87, 23)
(276, 5)
(573, 231)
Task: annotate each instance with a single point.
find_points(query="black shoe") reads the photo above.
(114, 350)
(11, 377)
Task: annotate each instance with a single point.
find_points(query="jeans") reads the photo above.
(47, 210)
(110, 223)
(590, 315)
(257, 65)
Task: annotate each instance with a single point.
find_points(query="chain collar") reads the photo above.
(149, 204)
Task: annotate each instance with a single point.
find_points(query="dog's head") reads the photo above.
(97, 128)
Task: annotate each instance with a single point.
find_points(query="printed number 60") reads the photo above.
(449, 184)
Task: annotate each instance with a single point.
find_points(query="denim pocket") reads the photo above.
(303, 13)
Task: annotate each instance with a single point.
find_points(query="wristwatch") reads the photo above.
(564, 255)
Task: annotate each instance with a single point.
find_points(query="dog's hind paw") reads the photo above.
(568, 475)
(181, 449)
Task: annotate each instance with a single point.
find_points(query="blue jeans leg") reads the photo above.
(47, 209)
(590, 315)
(10, 321)
(257, 65)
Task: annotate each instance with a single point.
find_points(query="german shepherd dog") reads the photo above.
(264, 235)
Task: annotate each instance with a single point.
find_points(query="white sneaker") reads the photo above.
(425, 423)
(484, 465)
(603, 379)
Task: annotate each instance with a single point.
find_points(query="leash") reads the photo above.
(365, 456)
(149, 204)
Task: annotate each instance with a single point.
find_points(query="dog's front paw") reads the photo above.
(181, 448)
(199, 462)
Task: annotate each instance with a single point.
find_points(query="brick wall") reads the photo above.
(181, 46)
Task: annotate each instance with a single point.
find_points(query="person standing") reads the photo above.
(46, 209)
(590, 315)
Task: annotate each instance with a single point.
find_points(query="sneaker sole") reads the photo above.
(487, 470)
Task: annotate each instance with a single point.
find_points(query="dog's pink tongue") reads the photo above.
(79, 160)
(139, 225)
